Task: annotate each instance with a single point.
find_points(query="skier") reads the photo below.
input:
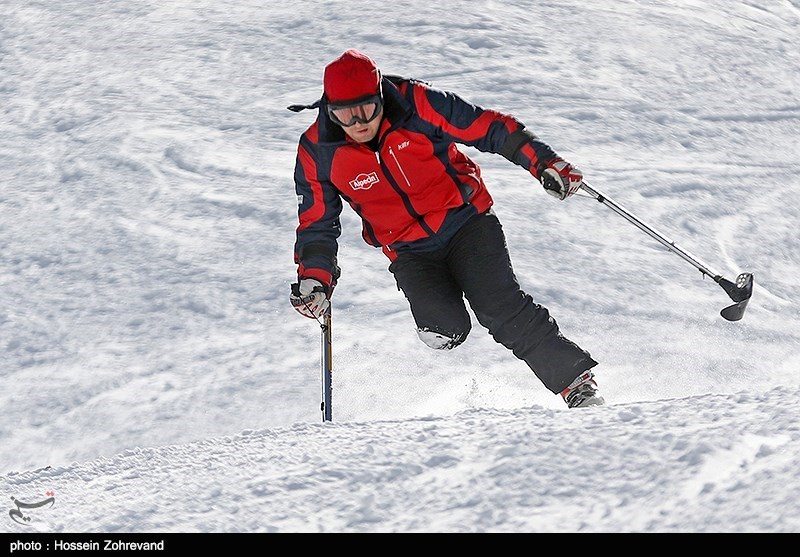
(387, 146)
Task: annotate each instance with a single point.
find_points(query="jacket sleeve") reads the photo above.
(486, 130)
(319, 208)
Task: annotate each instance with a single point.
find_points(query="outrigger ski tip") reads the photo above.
(740, 292)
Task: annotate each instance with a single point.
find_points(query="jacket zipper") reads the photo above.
(403, 195)
(397, 162)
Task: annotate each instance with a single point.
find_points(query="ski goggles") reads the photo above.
(364, 111)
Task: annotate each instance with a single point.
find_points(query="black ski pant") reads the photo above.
(475, 265)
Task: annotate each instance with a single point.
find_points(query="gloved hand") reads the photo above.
(310, 298)
(560, 179)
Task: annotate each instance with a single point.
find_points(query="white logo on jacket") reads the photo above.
(364, 181)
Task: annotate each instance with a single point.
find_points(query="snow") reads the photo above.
(155, 379)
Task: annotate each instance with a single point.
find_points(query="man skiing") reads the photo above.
(387, 146)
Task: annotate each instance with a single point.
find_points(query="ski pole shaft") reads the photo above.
(327, 367)
(739, 291)
(652, 232)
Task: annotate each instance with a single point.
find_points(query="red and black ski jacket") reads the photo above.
(417, 189)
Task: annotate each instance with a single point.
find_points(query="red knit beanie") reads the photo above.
(351, 76)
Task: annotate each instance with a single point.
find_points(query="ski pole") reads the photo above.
(327, 366)
(740, 291)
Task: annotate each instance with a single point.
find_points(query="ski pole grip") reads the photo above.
(552, 187)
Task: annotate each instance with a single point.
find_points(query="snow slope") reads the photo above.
(147, 217)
